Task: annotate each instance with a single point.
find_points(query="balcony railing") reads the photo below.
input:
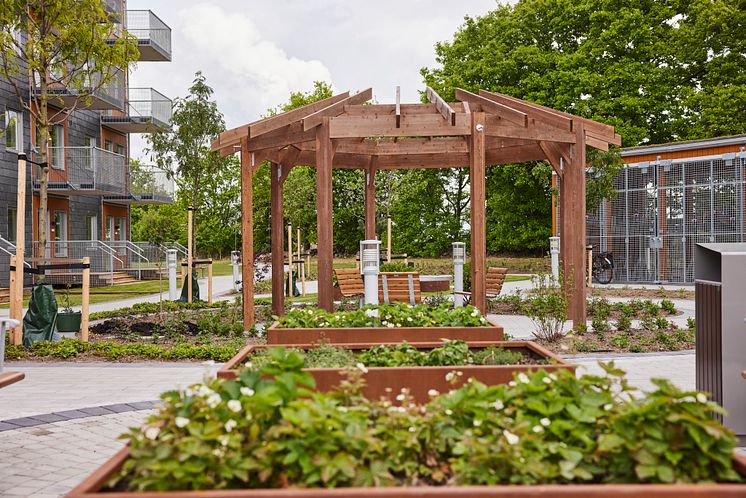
(114, 7)
(92, 95)
(84, 171)
(153, 35)
(147, 185)
(147, 111)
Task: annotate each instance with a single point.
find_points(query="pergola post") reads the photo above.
(478, 215)
(247, 235)
(370, 201)
(277, 239)
(325, 234)
(572, 218)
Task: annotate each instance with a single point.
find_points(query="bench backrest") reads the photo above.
(399, 287)
(495, 280)
(350, 282)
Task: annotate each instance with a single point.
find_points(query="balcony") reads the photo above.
(152, 34)
(146, 111)
(84, 171)
(147, 185)
(114, 8)
(92, 96)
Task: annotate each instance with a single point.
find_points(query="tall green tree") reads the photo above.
(184, 148)
(51, 44)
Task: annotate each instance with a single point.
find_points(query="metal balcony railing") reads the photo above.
(92, 94)
(153, 35)
(147, 185)
(147, 111)
(114, 7)
(84, 171)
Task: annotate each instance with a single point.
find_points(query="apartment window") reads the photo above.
(60, 234)
(56, 144)
(91, 227)
(109, 145)
(14, 130)
(12, 221)
(119, 149)
(121, 228)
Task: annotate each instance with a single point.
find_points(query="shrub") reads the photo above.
(599, 308)
(624, 323)
(668, 306)
(691, 323)
(661, 323)
(546, 305)
(599, 325)
(396, 266)
(267, 430)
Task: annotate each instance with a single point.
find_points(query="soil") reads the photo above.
(614, 341)
(641, 293)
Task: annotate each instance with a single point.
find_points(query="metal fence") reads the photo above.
(149, 29)
(84, 170)
(149, 103)
(663, 209)
(151, 184)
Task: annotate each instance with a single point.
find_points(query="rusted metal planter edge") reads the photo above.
(276, 335)
(92, 485)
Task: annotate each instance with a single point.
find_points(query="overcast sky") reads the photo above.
(255, 52)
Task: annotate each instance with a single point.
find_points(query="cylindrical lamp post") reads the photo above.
(459, 258)
(235, 261)
(173, 293)
(554, 249)
(370, 254)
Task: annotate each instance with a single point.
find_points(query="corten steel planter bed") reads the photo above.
(435, 283)
(92, 486)
(354, 335)
(389, 381)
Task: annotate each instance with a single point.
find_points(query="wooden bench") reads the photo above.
(399, 287)
(350, 282)
(494, 283)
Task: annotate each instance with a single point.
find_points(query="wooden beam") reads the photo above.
(534, 131)
(282, 137)
(289, 117)
(389, 109)
(247, 235)
(412, 125)
(573, 232)
(313, 120)
(535, 112)
(554, 155)
(398, 107)
(324, 214)
(370, 200)
(502, 111)
(442, 106)
(478, 215)
(277, 241)
(596, 143)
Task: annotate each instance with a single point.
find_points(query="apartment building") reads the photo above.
(92, 182)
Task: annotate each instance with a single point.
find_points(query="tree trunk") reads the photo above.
(43, 124)
(195, 202)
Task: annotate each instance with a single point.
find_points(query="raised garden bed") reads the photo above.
(435, 283)
(420, 381)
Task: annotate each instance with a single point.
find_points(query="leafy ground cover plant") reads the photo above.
(384, 315)
(547, 306)
(451, 353)
(268, 429)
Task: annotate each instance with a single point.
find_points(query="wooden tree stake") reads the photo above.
(86, 298)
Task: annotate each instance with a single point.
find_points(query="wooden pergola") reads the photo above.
(484, 129)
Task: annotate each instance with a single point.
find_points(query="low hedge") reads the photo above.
(152, 308)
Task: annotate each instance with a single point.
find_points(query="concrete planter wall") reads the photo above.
(275, 335)
(92, 488)
(389, 381)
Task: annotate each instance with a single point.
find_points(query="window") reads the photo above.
(121, 228)
(91, 227)
(14, 130)
(119, 149)
(110, 228)
(109, 145)
(60, 234)
(12, 220)
(56, 144)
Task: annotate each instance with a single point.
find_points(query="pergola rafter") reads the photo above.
(483, 129)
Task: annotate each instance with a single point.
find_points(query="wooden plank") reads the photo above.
(554, 156)
(502, 111)
(477, 155)
(534, 111)
(282, 137)
(313, 120)
(596, 143)
(442, 106)
(370, 200)
(85, 299)
(412, 125)
(397, 111)
(17, 297)
(534, 131)
(574, 228)
(389, 109)
(190, 254)
(277, 239)
(324, 231)
(247, 237)
(286, 118)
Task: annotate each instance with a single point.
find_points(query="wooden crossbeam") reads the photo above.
(282, 137)
(496, 127)
(412, 125)
(555, 155)
(389, 109)
(286, 118)
(503, 111)
(597, 143)
(442, 106)
(398, 107)
(335, 109)
(537, 113)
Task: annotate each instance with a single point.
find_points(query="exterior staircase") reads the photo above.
(119, 277)
(4, 295)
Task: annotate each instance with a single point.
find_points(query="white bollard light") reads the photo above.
(554, 250)
(235, 259)
(370, 259)
(459, 258)
(173, 293)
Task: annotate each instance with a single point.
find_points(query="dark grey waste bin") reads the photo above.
(720, 303)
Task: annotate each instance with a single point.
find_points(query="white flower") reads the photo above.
(475, 312)
(498, 405)
(538, 429)
(510, 437)
(213, 400)
(512, 383)
(608, 406)
(546, 380)
(409, 319)
(545, 422)
(552, 376)
(230, 425)
(523, 378)
(449, 411)
(152, 433)
(701, 398)
(371, 313)
(343, 409)
(401, 409)
(218, 452)
(181, 422)
(224, 440)
(234, 405)
(432, 393)
(361, 367)
(477, 423)
(450, 376)
(412, 429)
(247, 391)
(391, 325)
(400, 397)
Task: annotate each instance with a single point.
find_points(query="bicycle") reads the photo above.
(603, 267)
